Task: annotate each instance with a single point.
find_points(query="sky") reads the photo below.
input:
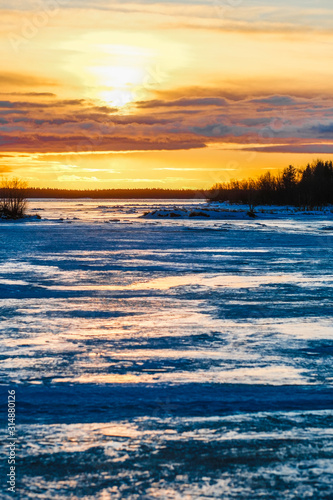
(174, 94)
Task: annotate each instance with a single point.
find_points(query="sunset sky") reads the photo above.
(99, 94)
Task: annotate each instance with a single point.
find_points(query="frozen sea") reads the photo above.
(167, 358)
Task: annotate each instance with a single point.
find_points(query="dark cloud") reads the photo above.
(141, 120)
(26, 105)
(184, 102)
(20, 104)
(213, 130)
(56, 121)
(250, 122)
(5, 112)
(71, 102)
(298, 148)
(80, 143)
(324, 129)
(93, 118)
(105, 109)
(24, 80)
(30, 94)
(276, 100)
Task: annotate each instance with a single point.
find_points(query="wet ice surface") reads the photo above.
(168, 358)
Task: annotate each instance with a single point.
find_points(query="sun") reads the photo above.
(118, 85)
(117, 72)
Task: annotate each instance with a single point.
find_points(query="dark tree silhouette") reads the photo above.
(311, 187)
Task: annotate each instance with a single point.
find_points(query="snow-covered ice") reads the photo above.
(169, 357)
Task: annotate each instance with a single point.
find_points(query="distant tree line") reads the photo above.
(115, 194)
(309, 187)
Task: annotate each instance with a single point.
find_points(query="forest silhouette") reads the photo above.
(309, 188)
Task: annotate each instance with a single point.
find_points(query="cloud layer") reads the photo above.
(47, 124)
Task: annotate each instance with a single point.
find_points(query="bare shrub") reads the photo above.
(13, 198)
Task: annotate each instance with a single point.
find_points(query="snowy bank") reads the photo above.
(199, 213)
(226, 212)
(25, 218)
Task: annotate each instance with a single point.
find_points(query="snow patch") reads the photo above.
(201, 213)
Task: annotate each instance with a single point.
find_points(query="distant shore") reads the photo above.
(116, 194)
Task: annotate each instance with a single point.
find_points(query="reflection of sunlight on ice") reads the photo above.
(205, 280)
(314, 328)
(272, 375)
(150, 340)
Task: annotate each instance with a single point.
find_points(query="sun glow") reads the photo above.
(117, 68)
(119, 85)
(120, 74)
